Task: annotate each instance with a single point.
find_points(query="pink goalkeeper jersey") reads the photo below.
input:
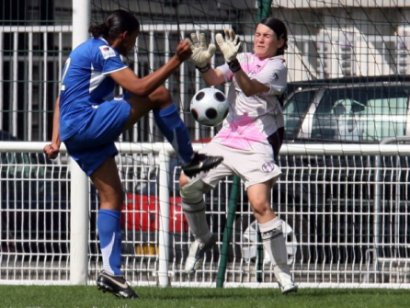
(252, 119)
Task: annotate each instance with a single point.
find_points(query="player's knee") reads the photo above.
(161, 97)
(262, 209)
(113, 201)
(191, 191)
(183, 180)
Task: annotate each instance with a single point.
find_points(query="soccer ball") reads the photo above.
(209, 106)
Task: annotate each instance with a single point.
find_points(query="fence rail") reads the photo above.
(346, 208)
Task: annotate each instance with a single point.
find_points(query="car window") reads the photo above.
(384, 117)
(294, 111)
(361, 114)
(22, 165)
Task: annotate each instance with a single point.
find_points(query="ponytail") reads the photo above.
(116, 23)
(98, 30)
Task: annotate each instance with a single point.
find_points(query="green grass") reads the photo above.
(77, 296)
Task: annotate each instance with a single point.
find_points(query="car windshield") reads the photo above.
(355, 114)
(294, 112)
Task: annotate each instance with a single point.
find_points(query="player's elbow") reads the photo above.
(141, 89)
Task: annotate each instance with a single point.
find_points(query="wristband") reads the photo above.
(204, 69)
(234, 65)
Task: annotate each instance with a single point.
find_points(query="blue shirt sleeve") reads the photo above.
(109, 59)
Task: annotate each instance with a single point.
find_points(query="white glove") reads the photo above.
(201, 54)
(229, 45)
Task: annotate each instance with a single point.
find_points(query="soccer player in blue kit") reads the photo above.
(88, 120)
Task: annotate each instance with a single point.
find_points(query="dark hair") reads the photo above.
(117, 22)
(279, 28)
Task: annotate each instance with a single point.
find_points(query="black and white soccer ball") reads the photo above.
(209, 106)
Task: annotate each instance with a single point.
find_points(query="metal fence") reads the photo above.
(346, 209)
(32, 57)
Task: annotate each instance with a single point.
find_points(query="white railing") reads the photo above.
(346, 205)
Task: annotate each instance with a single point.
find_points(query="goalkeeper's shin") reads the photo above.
(274, 243)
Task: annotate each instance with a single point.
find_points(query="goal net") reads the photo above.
(327, 39)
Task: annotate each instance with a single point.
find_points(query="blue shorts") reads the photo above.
(94, 144)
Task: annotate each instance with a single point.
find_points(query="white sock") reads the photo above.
(274, 243)
(195, 214)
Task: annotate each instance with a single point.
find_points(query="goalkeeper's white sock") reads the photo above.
(195, 214)
(274, 244)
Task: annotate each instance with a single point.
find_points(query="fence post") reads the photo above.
(79, 180)
(264, 8)
(79, 225)
(163, 240)
(232, 204)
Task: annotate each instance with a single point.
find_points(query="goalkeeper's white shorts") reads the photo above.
(253, 166)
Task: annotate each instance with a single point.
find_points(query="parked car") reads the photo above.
(141, 223)
(35, 205)
(34, 211)
(356, 109)
(335, 209)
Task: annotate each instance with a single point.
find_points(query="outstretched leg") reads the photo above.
(173, 128)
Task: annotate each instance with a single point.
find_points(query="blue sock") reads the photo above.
(109, 232)
(174, 129)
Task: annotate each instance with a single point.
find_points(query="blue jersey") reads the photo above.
(86, 83)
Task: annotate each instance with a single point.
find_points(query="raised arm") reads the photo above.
(229, 46)
(146, 85)
(201, 57)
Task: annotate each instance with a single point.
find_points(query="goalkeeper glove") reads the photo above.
(201, 54)
(229, 47)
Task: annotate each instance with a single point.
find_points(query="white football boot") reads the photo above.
(196, 253)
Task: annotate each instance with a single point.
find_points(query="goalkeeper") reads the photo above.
(249, 139)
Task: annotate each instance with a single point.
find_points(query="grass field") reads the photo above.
(70, 296)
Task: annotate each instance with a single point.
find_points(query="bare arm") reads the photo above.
(52, 149)
(146, 85)
(213, 77)
(55, 137)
